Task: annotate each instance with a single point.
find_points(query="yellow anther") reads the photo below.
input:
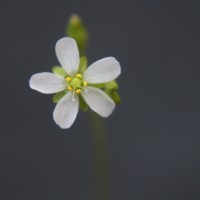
(69, 88)
(68, 79)
(78, 91)
(78, 75)
(85, 84)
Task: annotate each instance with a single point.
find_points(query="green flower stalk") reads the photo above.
(75, 85)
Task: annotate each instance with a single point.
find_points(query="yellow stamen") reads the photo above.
(78, 75)
(69, 88)
(78, 91)
(68, 79)
(85, 84)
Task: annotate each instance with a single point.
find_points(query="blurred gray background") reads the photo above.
(153, 136)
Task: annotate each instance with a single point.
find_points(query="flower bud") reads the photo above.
(77, 30)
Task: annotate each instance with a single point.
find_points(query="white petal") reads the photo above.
(66, 110)
(98, 101)
(47, 83)
(68, 55)
(104, 70)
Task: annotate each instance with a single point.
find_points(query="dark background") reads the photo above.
(154, 135)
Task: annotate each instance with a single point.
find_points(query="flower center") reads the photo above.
(76, 83)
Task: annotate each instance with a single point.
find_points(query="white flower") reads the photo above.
(104, 70)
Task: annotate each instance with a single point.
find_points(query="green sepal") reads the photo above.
(82, 104)
(58, 96)
(100, 85)
(83, 64)
(77, 30)
(112, 85)
(114, 96)
(59, 71)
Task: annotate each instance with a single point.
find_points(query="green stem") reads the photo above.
(77, 30)
(101, 164)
